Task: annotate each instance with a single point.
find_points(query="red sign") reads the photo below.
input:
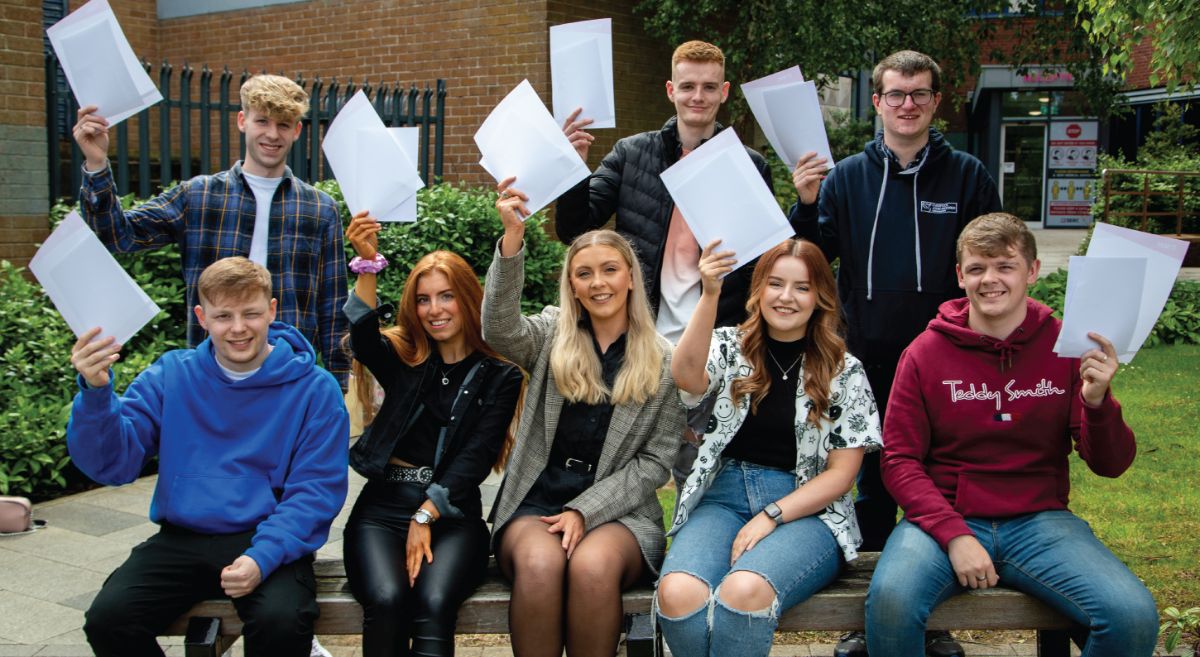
(1073, 131)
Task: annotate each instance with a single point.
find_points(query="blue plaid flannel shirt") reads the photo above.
(212, 217)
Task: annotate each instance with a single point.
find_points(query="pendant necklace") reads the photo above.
(446, 373)
(789, 368)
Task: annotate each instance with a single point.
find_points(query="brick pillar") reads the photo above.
(23, 168)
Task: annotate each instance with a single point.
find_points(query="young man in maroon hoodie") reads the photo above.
(981, 420)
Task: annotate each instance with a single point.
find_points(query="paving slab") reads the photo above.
(31, 621)
(47, 580)
(66, 546)
(91, 519)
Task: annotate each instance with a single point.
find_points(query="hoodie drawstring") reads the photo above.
(916, 223)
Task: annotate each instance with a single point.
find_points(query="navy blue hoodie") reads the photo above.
(267, 453)
(895, 232)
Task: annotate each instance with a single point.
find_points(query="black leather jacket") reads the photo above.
(478, 421)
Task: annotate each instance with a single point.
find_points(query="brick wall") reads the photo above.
(23, 203)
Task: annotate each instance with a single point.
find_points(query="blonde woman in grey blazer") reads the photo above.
(577, 519)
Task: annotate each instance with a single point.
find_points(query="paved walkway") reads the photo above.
(48, 578)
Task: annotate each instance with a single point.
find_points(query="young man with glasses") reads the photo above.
(892, 214)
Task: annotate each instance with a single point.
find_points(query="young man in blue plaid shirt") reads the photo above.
(256, 209)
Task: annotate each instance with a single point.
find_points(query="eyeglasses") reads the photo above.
(919, 97)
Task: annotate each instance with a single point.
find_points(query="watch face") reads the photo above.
(423, 517)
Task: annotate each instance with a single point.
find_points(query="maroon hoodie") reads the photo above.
(980, 427)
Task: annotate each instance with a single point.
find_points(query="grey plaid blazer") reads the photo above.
(639, 448)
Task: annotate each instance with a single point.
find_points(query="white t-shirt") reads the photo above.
(238, 376)
(264, 191)
(679, 285)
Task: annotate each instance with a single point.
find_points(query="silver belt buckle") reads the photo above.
(424, 474)
(570, 463)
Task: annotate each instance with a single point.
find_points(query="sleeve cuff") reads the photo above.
(97, 172)
(267, 562)
(356, 309)
(440, 496)
(1105, 412)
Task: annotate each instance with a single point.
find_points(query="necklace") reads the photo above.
(789, 367)
(446, 373)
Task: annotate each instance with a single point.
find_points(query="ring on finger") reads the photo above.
(505, 194)
(981, 578)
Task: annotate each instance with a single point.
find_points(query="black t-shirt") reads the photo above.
(768, 437)
(419, 444)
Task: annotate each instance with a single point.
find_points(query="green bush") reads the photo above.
(1179, 322)
(465, 221)
(1172, 146)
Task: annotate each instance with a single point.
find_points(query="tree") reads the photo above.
(829, 38)
(1116, 27)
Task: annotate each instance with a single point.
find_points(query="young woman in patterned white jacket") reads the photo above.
(765, 518)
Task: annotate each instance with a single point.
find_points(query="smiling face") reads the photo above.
(238, 328)
(437, 308)
(788, 299)
(268, 141)
(697, 89)
(996, 287)
(909, 121)
(601, 281)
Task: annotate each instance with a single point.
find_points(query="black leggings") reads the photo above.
(396, 615)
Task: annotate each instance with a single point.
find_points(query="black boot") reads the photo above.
(939, 643)
(852, 644)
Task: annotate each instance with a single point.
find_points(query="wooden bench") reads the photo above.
(211, 626)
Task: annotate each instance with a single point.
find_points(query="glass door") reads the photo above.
(1023, 169)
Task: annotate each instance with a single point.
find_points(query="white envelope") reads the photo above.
(1164, 256)
(722, 196)
(581, 71)
(87, 285)
(1103, 296)
(788, 110)
(372, 169)
(99, 63)
(520, 138)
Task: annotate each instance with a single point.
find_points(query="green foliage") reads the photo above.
(1179, 322)
(1172, 146)
(1118, 27)
(1179, 625)
(832, 39)
(464, 221)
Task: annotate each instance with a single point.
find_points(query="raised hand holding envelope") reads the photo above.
(721, 196)
(99, 63)
(788, 110)
(87, 285)
(581, 71)
(520, 139)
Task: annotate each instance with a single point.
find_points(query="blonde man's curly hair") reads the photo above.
(276, 96)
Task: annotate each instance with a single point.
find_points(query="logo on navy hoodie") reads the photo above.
(932, 207)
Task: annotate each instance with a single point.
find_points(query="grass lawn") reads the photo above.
(1150, 516)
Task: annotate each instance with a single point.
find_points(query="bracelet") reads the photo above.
(372, 266)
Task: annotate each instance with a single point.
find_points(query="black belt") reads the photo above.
(419, 475)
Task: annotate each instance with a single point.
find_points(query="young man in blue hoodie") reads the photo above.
(892, 214)
(251, 440)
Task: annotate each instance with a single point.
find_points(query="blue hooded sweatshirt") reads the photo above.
(267, 453)
(895, 229)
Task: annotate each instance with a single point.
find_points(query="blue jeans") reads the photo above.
(797, 559)
(1051, 555)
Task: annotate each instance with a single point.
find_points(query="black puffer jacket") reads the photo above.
(627, 182)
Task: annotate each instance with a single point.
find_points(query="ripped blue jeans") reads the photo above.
(797, 559)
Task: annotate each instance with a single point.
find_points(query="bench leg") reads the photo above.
(1053, 643)
(203, 638)
(641, 636)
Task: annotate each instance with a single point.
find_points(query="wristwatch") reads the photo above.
(774, 513)
(423, 517)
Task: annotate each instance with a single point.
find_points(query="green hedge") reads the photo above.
(1179, 322)
(37, 382)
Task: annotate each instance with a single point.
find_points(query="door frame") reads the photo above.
(1045, 126)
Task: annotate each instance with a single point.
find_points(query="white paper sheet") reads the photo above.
(87, 285)
(99, 63)
(581, 71)
(722, 196)
(520, 138)
(1103, 296)
(1164, 256)
(372, 169)
(789, 112)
